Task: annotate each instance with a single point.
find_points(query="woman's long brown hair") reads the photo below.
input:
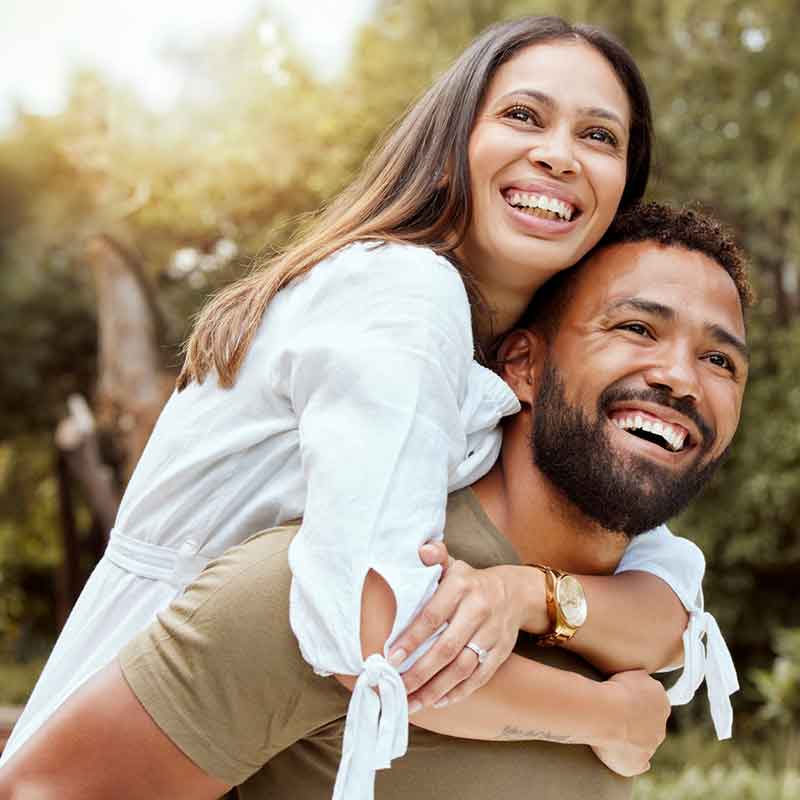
(414, 188)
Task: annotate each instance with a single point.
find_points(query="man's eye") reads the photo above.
(635, 327)
(722, 361)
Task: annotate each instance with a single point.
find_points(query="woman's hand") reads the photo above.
(483, 606)
(645, 711)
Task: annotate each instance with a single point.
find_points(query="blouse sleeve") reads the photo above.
(681, 564)
(376, 377)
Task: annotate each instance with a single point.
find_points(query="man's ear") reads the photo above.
(517, 358)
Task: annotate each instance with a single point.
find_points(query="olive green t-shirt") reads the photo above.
(221, 674)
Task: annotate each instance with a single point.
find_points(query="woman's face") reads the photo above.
(547, 158)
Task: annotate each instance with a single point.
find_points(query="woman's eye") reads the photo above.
(522, 114)
(635, 327)
(602, 135)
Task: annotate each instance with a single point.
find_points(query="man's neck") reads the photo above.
(539, 521)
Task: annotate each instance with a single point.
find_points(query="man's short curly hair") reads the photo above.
(648, 222)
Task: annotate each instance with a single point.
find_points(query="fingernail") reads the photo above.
(441, 703)
(398, 657)
(414, 706)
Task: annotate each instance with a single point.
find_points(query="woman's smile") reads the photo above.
(547, 158)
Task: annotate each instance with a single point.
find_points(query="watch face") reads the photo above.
(572, 601)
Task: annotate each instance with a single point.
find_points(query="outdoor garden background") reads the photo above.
(116, 221)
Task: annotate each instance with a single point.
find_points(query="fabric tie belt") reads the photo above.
(175, 565)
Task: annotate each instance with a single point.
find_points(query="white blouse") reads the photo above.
(358, 407)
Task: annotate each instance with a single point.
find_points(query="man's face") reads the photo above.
(642, 388)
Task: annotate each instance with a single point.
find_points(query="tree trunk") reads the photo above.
(70, 579)
(132, 387)
(76, 439)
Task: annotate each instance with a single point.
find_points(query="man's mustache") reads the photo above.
(662, 397)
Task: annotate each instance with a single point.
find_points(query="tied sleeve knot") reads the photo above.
(711, 661)
(375, 731)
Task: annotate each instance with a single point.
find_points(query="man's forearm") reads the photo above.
(635, 621)
(531, 701)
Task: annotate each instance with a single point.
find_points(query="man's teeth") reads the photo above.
(674, 437)
(541, 202)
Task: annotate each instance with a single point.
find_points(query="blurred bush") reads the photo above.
(742, 782)
(780, 686)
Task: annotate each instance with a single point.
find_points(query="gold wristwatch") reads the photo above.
(566, 606)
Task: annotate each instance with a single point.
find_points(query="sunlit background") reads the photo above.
(150, 151)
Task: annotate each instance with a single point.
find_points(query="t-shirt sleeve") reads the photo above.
(681, 564)
(376, 379)
(676, 560)
(223, 649)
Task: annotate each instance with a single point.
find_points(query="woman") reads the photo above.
(340, 386)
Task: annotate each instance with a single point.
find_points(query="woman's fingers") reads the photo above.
(471, 606)
(446, 651)
(433, 553)
(458, 680)
(438, 611)
(437, 691)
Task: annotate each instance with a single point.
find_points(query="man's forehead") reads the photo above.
(650, 272)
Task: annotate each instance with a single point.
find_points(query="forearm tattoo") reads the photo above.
(512, 733)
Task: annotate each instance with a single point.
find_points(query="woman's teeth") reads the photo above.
(540, 205)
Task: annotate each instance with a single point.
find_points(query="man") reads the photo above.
(631, 376)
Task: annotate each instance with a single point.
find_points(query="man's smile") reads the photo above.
(653, 427)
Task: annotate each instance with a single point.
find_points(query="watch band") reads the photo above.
(560, 630)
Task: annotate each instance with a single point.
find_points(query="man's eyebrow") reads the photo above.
(551, 102)
(717, 332)
(645, 306)
(724, 336)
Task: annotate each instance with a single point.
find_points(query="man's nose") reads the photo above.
(677, 371)
(555, 153)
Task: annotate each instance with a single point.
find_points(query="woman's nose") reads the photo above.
(555, 153)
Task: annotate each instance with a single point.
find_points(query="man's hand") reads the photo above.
(645, 709)
(479, 605)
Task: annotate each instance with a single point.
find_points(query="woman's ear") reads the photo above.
(516, 359)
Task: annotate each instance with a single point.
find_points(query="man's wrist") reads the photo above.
(609, 721)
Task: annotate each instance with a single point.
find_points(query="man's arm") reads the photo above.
(102, 743)
(635, 621)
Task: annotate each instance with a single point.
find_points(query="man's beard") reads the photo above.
(622, 492)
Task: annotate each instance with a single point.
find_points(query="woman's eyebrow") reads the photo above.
(550, 102)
